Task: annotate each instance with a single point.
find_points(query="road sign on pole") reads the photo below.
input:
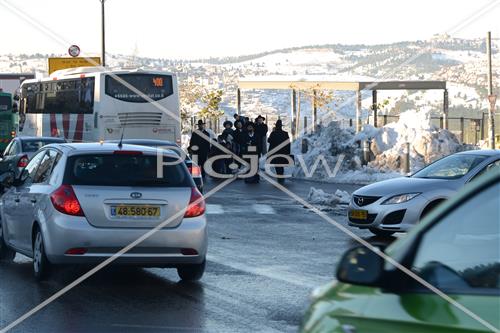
(56, 64)
(74, 51)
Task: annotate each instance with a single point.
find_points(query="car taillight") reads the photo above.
(23, 162)
(64, 200)
(194, 170)
(196, 205)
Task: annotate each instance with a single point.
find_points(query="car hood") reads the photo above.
(406, 185)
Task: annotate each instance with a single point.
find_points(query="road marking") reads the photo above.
(263, 209)
(275, 273)
(215, 209)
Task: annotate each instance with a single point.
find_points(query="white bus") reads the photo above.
(84, 104)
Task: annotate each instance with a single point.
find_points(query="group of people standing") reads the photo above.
(242, 138)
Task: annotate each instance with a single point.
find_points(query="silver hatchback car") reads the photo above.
(397, 204)
(82, 203)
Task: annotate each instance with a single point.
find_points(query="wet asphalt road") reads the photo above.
(266, 254)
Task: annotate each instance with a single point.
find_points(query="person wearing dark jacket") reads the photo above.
(278, 137)
(251, 146)
(228, 132)
(261, 131)
(199, 146)
(238, 135)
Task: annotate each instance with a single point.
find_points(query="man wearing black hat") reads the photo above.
(276, 138)
(251, 146)
(199, 146)
(261, 132)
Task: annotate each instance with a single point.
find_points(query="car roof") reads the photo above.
(75, 148)
(146, 142)
(484, 152)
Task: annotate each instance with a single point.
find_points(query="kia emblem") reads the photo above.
(135, 195)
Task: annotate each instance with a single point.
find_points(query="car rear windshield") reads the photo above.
(451, 167)
(125, 170)
(30, 146)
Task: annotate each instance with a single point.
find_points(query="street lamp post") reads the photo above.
(103, 36)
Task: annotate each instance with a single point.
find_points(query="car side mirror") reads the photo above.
(361, 266)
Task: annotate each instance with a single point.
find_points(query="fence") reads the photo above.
(468, 130)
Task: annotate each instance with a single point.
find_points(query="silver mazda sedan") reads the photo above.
(396, 204)
(82, 203)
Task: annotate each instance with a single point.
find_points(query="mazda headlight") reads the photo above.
(400, 198)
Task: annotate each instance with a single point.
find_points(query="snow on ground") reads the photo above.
(388, 146)
(337, 201)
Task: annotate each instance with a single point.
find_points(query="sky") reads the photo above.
(192, 29)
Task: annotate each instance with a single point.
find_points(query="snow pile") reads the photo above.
(326, 147)
(320, 197)
(388, 147)
(336, 202)
(427, 142)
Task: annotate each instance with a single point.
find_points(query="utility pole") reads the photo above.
(491, 97)
(103, 36)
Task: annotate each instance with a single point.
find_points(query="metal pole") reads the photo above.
(483, 121)
(103, 35)
(445, 109)
(462, 129)
(297, 117)
(407, 159)
(315, 111)
(238, 101)
(374, 107)
(293, 111)
(491, 111)
(358, 111)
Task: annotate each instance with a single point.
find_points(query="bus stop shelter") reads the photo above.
(356, 86)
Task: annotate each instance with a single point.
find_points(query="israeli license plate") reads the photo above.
(358, 214)
(135, 211)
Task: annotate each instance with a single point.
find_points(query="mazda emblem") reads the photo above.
(359, 201)
(135, 195)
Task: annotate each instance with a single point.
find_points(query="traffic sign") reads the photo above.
(56, 64)
(493, 100)
(74, 50)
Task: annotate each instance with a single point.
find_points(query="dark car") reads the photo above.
(193, 168)
(20, 150)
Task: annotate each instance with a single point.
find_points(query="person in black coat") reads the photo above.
(251, 146)
(199, 146)
(277, 138)
(261, 131)
(228, 132)
(239, 137)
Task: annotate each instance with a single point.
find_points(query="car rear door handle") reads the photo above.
(33, 200)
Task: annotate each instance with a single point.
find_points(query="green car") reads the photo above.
(455, 249)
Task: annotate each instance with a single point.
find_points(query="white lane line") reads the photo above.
(263, 209)
(275, 273)
(215, 209)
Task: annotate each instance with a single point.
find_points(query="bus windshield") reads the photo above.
(153, 86)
